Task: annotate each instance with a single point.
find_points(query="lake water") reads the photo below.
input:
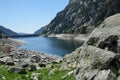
(50, 46)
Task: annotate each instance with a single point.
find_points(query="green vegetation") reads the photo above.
(43, 74)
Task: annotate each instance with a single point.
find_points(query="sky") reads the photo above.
(27, 16)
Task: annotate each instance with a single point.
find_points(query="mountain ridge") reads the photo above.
(39, 31)
(7, 32)
(82, 16)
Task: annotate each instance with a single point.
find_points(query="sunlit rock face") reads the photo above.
(99, 57)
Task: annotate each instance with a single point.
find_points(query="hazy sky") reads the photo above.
(29, 15)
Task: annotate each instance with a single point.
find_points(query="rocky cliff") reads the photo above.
(99, 57)
(82, 16)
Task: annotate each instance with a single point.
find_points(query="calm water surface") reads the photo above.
(50, 46)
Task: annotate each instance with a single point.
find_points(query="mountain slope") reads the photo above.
(2, 35)
(39, 31)
(7, 32)
(82, 16)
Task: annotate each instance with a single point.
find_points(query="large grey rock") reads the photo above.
(92, 57)
(87, 74)
(5, 59)
(105, 75)
(10, 63)
(91, 60)
(17, 70)
(35, 58)
(52, 72)
(118, 49)
(110, 43)
(70, 60)
(42, 65)
(107, 35)
(99, 57)
(25, 65)
(118, 78)
(32, 67)
(35, 76)
(2, 54)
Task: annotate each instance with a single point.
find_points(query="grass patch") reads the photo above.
(43, 74)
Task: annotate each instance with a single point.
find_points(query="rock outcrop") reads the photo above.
(99, 57)
(82, 16)
(107, 35)
(17, 70)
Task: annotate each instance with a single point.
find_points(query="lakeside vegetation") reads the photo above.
(42, 74)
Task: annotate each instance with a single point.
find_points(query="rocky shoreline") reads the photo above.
(77, 37)
(17, 60)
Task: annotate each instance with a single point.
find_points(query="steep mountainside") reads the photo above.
(82, 16)
(7, 32)
(39, 31)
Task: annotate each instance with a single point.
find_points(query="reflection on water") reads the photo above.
(50, 46)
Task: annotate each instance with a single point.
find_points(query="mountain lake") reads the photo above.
(50, 46)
